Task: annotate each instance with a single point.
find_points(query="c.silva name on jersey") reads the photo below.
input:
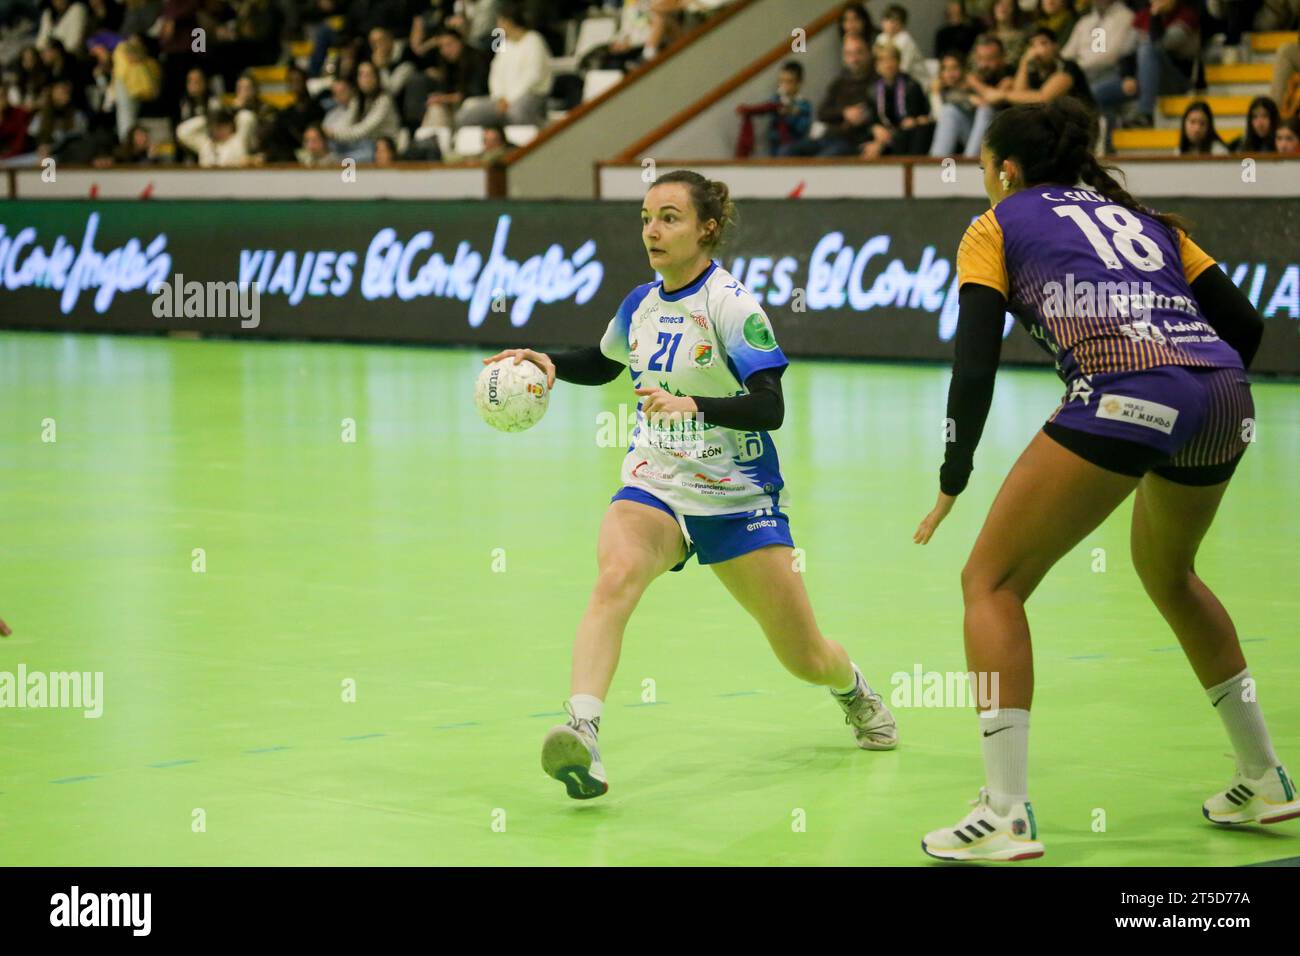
(704, 340)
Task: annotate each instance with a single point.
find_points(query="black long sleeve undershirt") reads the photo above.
(1229, 312)
(977, 349)
(763, 409)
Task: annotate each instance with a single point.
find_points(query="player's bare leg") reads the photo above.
(637, 543)
(766, 585)
(1169, 521)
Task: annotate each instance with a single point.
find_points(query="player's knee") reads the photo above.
(976, 583)
(1163, 583)
(620, 582)
(808, 663)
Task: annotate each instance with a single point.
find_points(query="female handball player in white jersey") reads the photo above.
(701, 477)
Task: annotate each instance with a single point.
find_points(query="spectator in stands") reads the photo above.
(1286, 80)
(1198, 136)
(495, 146)
(630, 45)
(461, 75)
(385, 151)
(901, 105)
(30, 78)
(60, 129)
(958, 33)
(199, 98)
(364, 113)
(60, 65)
(1288, 137)
(248, 96)
(1043, 75)
(315, 152)
(136, 149)
(177, 23)
(1008, 24)
(852, 126)
(1100, 62)
(966, 122)
(475, 22)
(1057, 16)
(285, 135)
(893, 32)
(218, 138)
(251, 38)
(14, 122)
(103, 25)
(1169, 39)
(387, 56)
(519, 78)
(422, 42)
(1262, 121)
(137, 79)
(856, 21)
(66, 21)
(791, 113)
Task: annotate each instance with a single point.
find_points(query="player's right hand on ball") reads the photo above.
(540, 359)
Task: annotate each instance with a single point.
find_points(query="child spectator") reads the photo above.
(893, 31)
(1262, 121)
(791, 113)
(852, 126)
(1288, 137)
(1198, 136)
(902, 105)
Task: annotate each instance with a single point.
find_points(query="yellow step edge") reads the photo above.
(276, 100)
(1161, 139)
(1219, 105)
(269, 74)
(300, 48)
(1239, 73)
(1272, 42)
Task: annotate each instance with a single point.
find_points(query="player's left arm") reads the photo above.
(1224, 306)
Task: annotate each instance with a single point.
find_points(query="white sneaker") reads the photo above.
(1270, 799)
(873, 724)
(570, 755)
(984, 835)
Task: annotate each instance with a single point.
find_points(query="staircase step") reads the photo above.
(1174, 106)
(1239, 73)
(1272, 42)
(1159, 140)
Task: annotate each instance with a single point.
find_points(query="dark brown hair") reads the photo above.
(711, 199)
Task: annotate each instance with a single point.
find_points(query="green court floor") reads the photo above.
(438, 568)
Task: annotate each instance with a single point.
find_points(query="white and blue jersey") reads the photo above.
(702, 340)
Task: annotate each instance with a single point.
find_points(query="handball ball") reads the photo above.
(510, 397)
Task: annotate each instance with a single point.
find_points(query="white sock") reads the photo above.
(1244, 722)
(858, 680)
(1006, 757)
(588, 708)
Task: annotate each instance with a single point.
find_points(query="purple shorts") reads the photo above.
(1187, 424)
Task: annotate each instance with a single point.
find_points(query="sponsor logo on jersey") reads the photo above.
(758, 333)
(671, 319)
(765, 523)
(700, 319)
(703, 355)
(648, 474)
(1138, 411)
(711, 481)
